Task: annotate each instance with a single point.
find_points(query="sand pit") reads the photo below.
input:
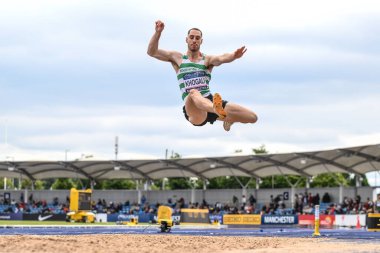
(174, 243)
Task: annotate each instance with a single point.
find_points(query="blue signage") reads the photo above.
(10, 216)
(146, 217)
(279, 219)
(114, 217)
(216, 217)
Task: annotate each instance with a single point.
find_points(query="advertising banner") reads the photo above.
(350, 220)
(146, 217)
(373, 222)
(120, 217)
(10, 216)
(101, 217)
(279, 219)
(242, 219)
(306, 219)
(143, 217)
(113, 217)
(195, 215)
(44, 217)
(214, 217)
(324, 220)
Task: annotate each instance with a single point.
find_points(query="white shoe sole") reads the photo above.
(227, 125)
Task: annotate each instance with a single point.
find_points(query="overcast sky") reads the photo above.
(75, 74)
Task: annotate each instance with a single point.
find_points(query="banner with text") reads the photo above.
(10, 216)
(324, 220)
(242, 219)
(101, 217)
(350, 220)
(216, 217)
(279, 219)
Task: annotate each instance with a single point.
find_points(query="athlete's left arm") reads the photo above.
(226, 58)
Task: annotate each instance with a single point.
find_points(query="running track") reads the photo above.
(360, 235)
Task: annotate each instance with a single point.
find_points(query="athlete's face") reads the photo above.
(194, 40)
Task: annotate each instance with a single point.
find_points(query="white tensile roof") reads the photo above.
(358, 160)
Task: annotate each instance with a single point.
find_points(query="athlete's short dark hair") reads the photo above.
(197, 29)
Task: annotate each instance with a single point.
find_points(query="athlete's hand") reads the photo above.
(159, 26)
(240, 52)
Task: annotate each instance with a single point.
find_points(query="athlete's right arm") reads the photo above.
(160, 54)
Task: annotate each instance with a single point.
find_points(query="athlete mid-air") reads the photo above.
(193, 71)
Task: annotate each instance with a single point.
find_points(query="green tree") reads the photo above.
(157, 184)
(260, 150)
(175, 155)
(322, 180)
(178, 183)
(352, 181)
(9, 183)
(116, 184)
(231, 182)
(63, 184)
(330, 180)
(227, 182)
(27, 184)
(48, 183)
(280, 181)
(39, 185)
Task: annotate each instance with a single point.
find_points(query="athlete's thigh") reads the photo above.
(238, 113)
(196, 116)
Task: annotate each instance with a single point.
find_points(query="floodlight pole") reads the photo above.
(6, 145)
(66, 151)
(6, 134)
(116, 146)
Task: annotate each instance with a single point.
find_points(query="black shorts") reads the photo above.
(211, 117)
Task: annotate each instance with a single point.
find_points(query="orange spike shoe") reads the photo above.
(218, 106)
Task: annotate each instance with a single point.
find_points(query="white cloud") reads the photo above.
(75, 74)
(243, 15)
(373, 178)
(282, 128)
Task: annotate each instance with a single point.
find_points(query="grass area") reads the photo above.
(47, 223)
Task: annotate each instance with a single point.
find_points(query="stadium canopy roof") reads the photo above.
(358, 160)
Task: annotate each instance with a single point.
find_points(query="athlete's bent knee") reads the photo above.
(196, 121)
(194, 92)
